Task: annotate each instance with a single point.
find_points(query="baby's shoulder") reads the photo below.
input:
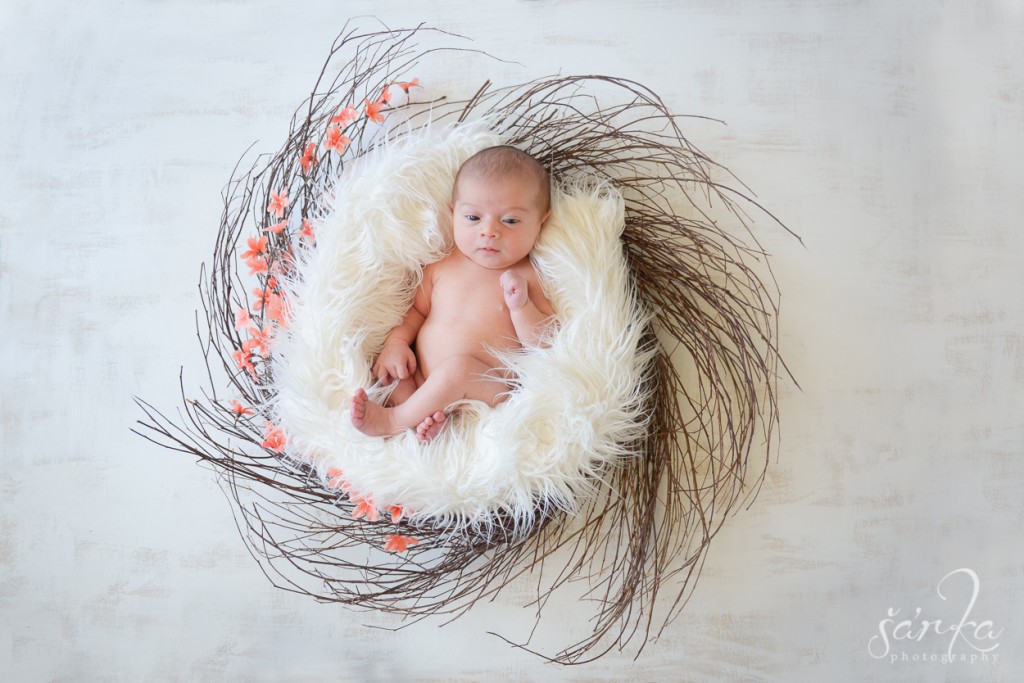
(441, 265)
(438, 262)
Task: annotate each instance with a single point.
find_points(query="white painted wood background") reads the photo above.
(889, 135)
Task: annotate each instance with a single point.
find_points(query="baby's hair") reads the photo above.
(504, 160)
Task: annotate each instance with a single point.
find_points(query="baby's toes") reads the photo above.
(359, 405)
(437, 424)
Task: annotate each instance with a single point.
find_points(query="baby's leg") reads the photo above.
(458, 377)
(454, 379)
(406, 387)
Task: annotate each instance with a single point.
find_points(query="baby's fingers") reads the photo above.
(512, 282)
(381, 372)
(404, 367)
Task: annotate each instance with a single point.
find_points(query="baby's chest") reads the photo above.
(476, 305)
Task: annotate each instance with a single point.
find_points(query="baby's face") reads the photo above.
(497, 221)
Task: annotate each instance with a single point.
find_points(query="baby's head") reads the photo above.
(501, 199)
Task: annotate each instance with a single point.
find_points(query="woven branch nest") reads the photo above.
(696, 267)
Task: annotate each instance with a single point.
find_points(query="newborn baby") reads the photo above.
(483, 295)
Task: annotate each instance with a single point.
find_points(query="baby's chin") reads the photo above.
(493, 260)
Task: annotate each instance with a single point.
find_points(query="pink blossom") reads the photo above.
(335, 478)
(260, 341)
(257, 264)
(274, 438)
(373, 111)
(278, 203)
(308, 158)
(276, 228)
(244, 361)
(336, 141)
(241, 411)
(257, 247)
(399, 544)
(242, 319)
(345, 116)
(411, 84)
(366, 508)
(398, 512)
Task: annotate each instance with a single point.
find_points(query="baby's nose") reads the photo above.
(487, 228)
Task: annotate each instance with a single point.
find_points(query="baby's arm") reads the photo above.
(530, 309)
(397, 360)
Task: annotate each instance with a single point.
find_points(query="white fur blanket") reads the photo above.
(576, 403)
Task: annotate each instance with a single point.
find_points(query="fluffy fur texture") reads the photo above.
(577, 404)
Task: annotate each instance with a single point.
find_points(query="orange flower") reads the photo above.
(398, 512)
(373, 111)
(345, 116)
(308, 157)
(276, 309)
(242, 319)
(273, 305)
(335, 478)
(262, 297)
(260, 341)
(241, 411)
(307, 230)
(257, 247)
(276, 228)
(414, 83)
(274, 438)
(366, 508)
(399, 544)
(336, 141)
(244, 361)
(278, 203)
(256, 265)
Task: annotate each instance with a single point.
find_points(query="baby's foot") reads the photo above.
(368, 417)
(431, 426)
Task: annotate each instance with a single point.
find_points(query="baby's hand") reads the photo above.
(515, 289)
(396, 361)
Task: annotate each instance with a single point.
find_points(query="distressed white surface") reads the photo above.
(889, 135)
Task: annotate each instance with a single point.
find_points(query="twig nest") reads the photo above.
(624, 444)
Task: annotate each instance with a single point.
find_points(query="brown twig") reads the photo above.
(711, 392)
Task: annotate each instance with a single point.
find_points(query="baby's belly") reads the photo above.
(442, 339)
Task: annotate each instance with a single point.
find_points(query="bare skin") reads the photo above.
(468, 309)
(485, 294)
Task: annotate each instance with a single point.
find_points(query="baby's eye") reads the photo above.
(471, 217)
(511, 221)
